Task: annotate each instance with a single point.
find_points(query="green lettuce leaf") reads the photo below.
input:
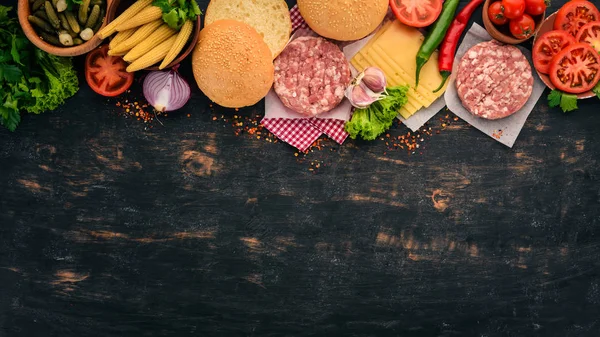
(59, 88)
(378, 117)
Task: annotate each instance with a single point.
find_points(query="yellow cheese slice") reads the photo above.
(375, 37)
(361, 65)
(413, 104)
(406, 113)
(397, 76)
(402, 43)
(393, 49)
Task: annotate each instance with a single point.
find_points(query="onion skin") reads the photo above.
(166, 90)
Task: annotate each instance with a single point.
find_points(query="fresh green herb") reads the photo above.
(567, 102)
(378, 117)
(30, 79)
(596, 90)
(176, 12)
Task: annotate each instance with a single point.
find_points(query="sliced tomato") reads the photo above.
(106, 74)
(590, 34)
(547, 46)
(416, 13)
(575, 69)
(574, 15)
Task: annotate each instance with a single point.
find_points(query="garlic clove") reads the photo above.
(360, 97)
(374, 79)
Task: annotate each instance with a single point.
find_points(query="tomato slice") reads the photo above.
(416, 13)
(106, 74)
(574, 15)
(547, 46)
(575, 69)
(590, 34)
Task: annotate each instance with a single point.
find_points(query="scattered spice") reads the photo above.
(246, 125)
(411, 142)
(129, 107)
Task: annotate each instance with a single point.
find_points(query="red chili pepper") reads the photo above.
(450, 43)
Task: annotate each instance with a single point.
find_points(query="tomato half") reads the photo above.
(523, 27)
(416, 13)
(496, 13)
(575, 69)
(106, 74)
(513, 9)
(590, 34)
(547, 46)
(574, 15)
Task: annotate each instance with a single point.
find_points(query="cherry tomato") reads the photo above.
(547, 46)
(496, 13)
(590, 34)
(574, 15)
(535, 7)
(523, 27)
(416, 13)
(106, 74)
(575, 69)
(513, 9)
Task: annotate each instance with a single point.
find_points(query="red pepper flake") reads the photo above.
(131, 107)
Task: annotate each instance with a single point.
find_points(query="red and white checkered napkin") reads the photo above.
(297, 19)
(298, 130)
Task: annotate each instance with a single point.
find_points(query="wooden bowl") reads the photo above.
(547, 26)
(24, 11)
(502, 33)
(119, 6)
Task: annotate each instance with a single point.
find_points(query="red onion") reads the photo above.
(166, 90)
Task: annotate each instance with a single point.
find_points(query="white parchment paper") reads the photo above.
(274, 108)
(505, 130)
(416, 121)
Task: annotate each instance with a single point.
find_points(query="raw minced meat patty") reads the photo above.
(494, 80)
(311, 75)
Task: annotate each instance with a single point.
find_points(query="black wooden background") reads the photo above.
(110, 228)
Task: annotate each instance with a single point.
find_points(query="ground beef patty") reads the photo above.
(311, 75)
(494, 80)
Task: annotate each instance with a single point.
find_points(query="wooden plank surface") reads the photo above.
(108, 228)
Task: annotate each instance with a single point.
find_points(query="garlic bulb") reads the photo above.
(374, 79)
(367, 88)
(358, 96)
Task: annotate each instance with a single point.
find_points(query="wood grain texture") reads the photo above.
(107, 229)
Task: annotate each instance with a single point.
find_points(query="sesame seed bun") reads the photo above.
(343, 20)
(270, 18)
(232, 64)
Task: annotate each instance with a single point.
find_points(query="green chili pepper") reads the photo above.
(436, 34)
